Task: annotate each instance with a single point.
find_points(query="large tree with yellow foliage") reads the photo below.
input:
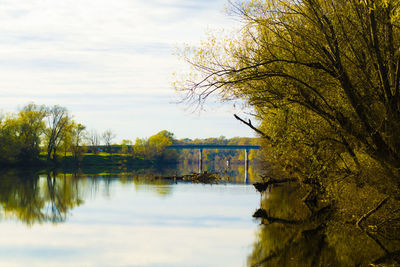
(323, 77)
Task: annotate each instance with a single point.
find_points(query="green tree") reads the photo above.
(20, 135)
(78, 136)
(154, 148)
(140, 147)
(10, 144)
(126, 146)
(58, 129)
(157, 144)
(31, 128)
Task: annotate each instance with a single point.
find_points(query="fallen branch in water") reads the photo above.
(204, 178)
(322, 213)
(261, 187)
(262, 213)
(369, 213)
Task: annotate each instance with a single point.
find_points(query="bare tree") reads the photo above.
(94, 140)
(108, 136)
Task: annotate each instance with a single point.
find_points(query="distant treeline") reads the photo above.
(43, 135)
(40, 135)
(154, 149)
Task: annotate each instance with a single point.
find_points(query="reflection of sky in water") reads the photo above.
(140, 225)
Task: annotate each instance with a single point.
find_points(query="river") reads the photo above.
(135, 219)
(125, 219)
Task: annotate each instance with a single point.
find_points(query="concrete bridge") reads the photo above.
(201, 147)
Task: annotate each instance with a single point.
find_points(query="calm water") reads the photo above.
(133, 219)
(123, 220)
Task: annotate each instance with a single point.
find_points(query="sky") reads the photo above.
(110, 63)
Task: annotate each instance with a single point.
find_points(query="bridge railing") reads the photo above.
(211, 146)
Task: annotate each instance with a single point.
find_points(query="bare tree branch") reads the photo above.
(252, 127)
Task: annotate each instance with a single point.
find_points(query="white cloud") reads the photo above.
(88, 53)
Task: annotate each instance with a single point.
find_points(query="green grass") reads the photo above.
(91, 163)
(104, 162)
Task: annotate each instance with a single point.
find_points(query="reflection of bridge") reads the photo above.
(200, 147)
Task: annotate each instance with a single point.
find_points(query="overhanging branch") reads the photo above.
(252, 127)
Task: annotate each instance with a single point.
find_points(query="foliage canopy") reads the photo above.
(323, 77)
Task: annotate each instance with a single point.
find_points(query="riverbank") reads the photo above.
(103, 162)
(89, 163)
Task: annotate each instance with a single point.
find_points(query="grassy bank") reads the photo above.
(92, 163)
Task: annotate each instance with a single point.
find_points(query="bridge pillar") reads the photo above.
(246, 165)
(200, 160)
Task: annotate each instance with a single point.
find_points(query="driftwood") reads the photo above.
(261, 187)
(314, 217)
(262, 213)
(204, 178)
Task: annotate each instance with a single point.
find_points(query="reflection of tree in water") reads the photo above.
(291, 235)
(32, 199)
(62, 195)
(21, 197)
